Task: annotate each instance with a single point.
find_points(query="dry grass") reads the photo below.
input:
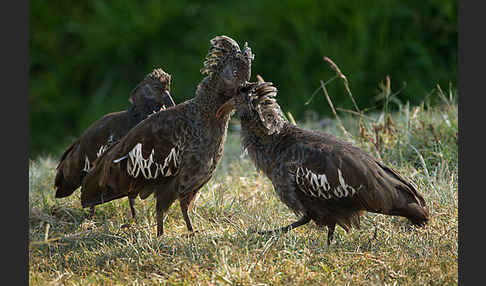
(68, 248)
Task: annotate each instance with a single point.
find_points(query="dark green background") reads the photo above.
(86, 56)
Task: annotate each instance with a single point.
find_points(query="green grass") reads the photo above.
(68, 248)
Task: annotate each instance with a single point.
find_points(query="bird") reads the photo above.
(320, 177)
(152, 94)
(174, 153)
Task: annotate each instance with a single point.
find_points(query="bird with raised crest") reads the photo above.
(317, 175)
(174, 153)
(152, 94)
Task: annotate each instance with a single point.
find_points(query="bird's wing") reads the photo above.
(337, 180)
(329, 172)
(68, 177)
(336, 170)
(332, 169)
(332, 182)
(147, 153)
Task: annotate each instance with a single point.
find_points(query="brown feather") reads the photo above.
(182, 144)
(318, 175)
(149, 96)
(111, 177)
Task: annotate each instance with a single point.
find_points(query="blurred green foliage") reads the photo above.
(86, 56)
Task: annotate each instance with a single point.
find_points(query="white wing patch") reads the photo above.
(103, 148)
(87, 165)
(318, 186)
(136, 164)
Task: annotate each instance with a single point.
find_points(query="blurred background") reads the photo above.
(86, 56)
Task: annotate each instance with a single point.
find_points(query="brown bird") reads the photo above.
(317, 175)
(174, 153)
(150, 95)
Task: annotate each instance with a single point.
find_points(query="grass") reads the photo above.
(68, 248)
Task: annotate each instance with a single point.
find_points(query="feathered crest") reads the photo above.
(262, 100)
(157, 79)
(221, 46)
(247, 53)
(159, 75)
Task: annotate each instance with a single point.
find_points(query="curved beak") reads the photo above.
(226, 108)
(168, 99)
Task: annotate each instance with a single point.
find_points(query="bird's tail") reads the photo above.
(63, 187)
(102, 183)
(412, 207)
(91, 191)
(66, 183)
(409, 202)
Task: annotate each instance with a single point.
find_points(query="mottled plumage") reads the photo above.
(149, 96)
(174, 153)
(319, 176)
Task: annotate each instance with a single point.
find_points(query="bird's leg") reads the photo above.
(92, 212)
(131, 201)
(186, 204)
(164, 199)
(330, 233)
(303, 220)
(160, 218)
(376, 229)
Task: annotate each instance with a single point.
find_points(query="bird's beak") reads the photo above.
(226, 108)
(169, 101)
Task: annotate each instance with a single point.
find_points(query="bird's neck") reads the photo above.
(141, 111)
(265, 132)
(211, 93)
(260, 145)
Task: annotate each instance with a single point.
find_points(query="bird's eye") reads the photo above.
(234, 73)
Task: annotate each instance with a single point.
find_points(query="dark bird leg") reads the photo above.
(164, 199)
(131, 201)
(330, 233)
(160, 208)
(92, 212)
(186, 204)
(376, 230)
(303, 220)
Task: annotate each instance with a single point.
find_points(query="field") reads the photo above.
(66, 247)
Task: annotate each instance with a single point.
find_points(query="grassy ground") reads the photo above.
(68, 248)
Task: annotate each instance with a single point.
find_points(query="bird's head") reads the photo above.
(257, 107)
(153, 91)
(228, 63)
